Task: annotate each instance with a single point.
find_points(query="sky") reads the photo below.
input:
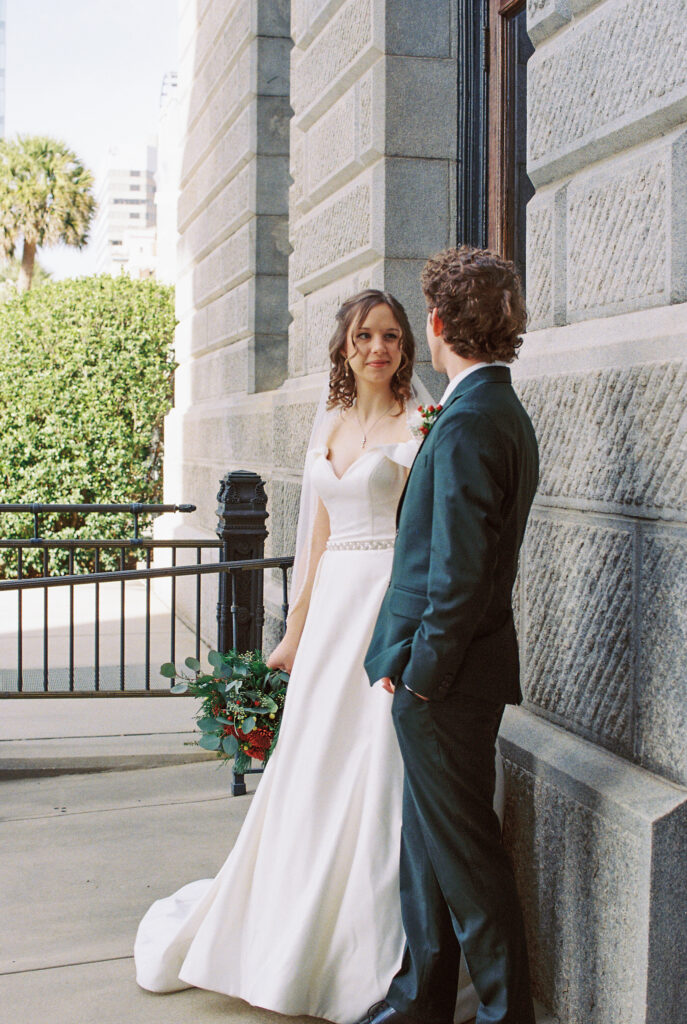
(88, 72)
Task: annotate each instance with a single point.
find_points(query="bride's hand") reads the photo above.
(283, 655)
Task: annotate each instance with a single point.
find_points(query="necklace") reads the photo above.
(369, 430)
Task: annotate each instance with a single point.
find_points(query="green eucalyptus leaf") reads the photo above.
(230, 745)
(207, 724)
(247, 725)
(193, 664)
(179, 688)
(168, 670)
(209, 742)
(215, 659)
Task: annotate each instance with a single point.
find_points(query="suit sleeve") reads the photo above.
(467, 514)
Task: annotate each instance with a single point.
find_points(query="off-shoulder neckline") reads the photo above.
(324, 450)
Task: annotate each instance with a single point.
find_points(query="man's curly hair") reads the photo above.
(478, 297)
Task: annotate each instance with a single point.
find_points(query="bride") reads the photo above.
(304, 917)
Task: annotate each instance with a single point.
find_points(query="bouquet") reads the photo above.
(242, 701)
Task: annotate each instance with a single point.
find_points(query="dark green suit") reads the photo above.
(446, 631)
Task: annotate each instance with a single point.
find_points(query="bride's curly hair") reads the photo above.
(353, 311)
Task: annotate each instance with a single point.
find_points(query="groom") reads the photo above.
(445, 645)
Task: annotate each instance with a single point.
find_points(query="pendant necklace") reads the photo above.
(369, 430)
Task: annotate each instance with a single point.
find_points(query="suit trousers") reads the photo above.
(457, 884)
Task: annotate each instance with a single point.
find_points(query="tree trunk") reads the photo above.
(27, 260)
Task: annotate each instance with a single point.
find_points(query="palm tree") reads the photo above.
(10, 269)
(46, 197)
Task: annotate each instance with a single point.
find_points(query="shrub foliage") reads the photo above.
(86, 378)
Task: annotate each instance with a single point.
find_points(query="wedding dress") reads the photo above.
(304, 917)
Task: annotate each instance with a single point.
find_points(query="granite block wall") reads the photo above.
(600, 602)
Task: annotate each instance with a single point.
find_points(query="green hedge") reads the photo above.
(86, 378)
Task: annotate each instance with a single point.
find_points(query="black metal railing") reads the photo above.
(238, 572)
(122, 549)
(233, 570)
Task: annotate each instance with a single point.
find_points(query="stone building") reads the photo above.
(332, 144)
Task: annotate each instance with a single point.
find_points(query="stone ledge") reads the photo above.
(611, 240)
(221, 89)
(620, 340)
(598, 847)
(310, 17)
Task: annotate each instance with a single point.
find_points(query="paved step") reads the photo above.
(61, 735)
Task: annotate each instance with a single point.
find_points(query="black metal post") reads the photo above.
(241, 515)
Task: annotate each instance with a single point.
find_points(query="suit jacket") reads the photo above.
(446, 621)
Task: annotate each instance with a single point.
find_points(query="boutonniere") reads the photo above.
(423, 419)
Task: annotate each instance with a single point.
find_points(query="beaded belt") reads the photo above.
(359, 545)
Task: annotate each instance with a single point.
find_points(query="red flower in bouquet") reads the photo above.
(242, 705)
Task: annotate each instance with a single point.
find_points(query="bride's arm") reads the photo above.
(283, 655)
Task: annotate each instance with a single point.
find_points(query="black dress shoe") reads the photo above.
(382, 1013)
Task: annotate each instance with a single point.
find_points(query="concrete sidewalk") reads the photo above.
(83, 858)
(85, 854)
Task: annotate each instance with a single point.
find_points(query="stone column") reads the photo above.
(231, 340)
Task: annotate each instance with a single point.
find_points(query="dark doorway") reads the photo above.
(493, 186)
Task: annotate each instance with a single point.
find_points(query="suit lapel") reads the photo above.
(486, 374)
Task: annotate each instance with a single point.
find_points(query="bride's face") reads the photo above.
(373, 346)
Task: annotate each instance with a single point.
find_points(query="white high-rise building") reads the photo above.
(167, 178)
(124, 234)
(2, 67)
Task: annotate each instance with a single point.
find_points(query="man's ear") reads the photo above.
(437, 323)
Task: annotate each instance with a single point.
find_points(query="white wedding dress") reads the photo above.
(304, 917)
